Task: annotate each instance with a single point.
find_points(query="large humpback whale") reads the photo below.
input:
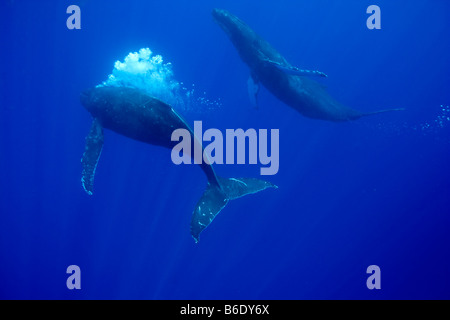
(288, 83)
(134, 114)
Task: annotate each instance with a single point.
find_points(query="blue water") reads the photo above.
(371, 192)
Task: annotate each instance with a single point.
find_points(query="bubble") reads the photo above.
(150, 74)
(435, 128)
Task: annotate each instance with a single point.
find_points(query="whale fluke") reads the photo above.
(383, 111)
(372, 113)
(216, 197)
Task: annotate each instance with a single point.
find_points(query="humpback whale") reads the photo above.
(293, 86)
(134, 114)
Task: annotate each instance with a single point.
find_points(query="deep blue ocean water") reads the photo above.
(371, 192)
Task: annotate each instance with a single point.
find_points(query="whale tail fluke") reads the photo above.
(216, 197)
(355, 115)
(382, 111)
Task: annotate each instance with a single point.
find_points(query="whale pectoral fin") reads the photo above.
(253, 89)
(210, 204)
(296, 71)
(310, 73)
(92, 152)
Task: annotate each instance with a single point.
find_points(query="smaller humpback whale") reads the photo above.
(288, 83)
(134, 114)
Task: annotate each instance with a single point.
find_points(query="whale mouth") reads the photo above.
(217, 13)
(85, 97)
(228, 22)
(221, 17)
(217, 16)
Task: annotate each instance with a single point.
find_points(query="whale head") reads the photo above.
(229, 23)
(95, 100)
(87, 99)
